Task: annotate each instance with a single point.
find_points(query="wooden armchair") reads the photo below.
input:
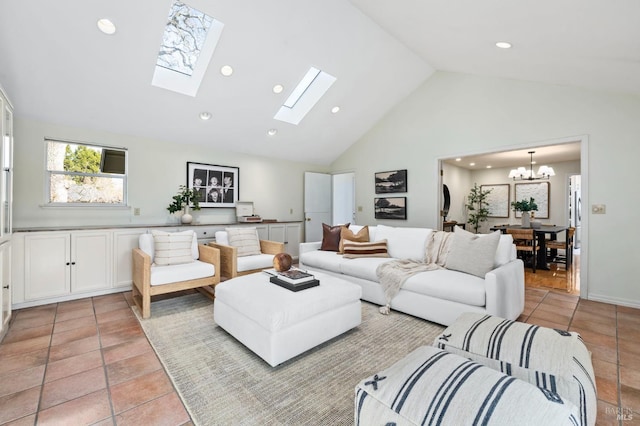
(566, 245)
(150, 279)
(525, 241)
(232, 266)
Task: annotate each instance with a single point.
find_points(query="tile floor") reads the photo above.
(87, 362)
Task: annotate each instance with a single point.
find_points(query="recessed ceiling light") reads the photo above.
(226, 70)
(488, 167)
(335, 109)
(272, 132)
(503, 45)
(472, 164)
(106, 26)
(458, 159)
(278, 88)
(205, 115)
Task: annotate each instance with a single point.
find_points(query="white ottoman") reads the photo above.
(278, 324)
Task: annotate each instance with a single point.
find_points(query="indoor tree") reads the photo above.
(477, 206)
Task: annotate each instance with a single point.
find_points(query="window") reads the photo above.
(83, 174)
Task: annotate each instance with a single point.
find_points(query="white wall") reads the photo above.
(453, 114)
(156, 169)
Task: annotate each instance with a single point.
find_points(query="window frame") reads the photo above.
(49, 173)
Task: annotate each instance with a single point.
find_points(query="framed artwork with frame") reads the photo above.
(216, 186)
(391, 182)
(539, 191)
(391, 208)
(498, 200)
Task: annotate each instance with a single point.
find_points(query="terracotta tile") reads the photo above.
(591, 317)
(590, 336)
(74, 348)
(108, 298)
(121, 336)
(19, 324)
(605, 370)
(140, 390)
(553, 312)
(129, 298)
(45, 311)
(596, 327)
(73, 365)
(534, 298)
(607, 414)
(85, 410)
(629, 346)
(604, 353)
(167, 410)
(630, 359)
(129, 368)
(113, 306)
(630, 376)
(63, 390)
(567, 305)
(603, 309)
(23, 361)
(629, 333)
(629, 319)
(120, 324)
(23, 421)
(72, 324)
(607, 390)
(77, 313)
(629, 310)
(522, 318)
(115, 315)
(16, 335)
(22, 346)
(17, 405)
(544, 323)
(74, 305)
(128, 349)
(630, 399)
(21, 380)
(73, 335)
(109, 421)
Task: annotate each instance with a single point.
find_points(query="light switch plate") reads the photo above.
(598, 208)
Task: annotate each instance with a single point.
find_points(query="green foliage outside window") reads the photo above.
(82, 160)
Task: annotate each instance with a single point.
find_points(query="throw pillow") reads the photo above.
(172, 248)
(246, 240)
(347, 234)
(472, 254)
(331, 237)
(354, 249)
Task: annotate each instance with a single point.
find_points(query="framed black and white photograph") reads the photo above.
(391, 182)
(391, 208)
(498, 199)
(539, 191)
(216, 186)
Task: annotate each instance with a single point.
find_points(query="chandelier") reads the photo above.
(544, 172)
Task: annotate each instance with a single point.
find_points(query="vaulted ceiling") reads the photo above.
(57, 67)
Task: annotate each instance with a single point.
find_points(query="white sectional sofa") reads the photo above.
(439, 296)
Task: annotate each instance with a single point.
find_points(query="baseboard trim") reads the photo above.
(614, 300)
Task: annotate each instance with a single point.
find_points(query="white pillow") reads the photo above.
(471, 253)
(505, 252)
(222, 238)
(245, 239)
(174, 248)
(404, 243)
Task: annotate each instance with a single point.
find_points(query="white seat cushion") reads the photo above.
(404, 243)
(328, 260)
(364, 267)
(186, 271)
(257, 261)
(448, 285)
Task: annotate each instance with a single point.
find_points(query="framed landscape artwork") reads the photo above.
(539, 191)
(498, 199)
(216, 186)
(391, 182)
(391, 208)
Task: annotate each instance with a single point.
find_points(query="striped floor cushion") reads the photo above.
(434, 387)
(556, 360)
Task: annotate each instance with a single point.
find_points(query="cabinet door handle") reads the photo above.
(73, 263)
(68, 263)
(6, 286)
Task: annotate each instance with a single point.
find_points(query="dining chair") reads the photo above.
(566, 245)
(525, 241)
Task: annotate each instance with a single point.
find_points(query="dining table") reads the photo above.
(541, 237)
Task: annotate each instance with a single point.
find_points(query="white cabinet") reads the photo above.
(6, 200)
(5, 291)
(124, 242)
(63, 263)
(288, 233)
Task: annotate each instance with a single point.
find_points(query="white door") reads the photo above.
(344, 198)
(317, 204)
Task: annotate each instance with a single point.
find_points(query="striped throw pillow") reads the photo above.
(172, 248)
(354, 249)
(245, 240)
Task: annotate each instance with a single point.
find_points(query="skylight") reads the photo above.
(188, 42)
(304, 97)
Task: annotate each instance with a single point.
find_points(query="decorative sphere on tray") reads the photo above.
(282, 262)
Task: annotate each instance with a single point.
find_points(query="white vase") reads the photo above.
(526, 220)
(186, 217)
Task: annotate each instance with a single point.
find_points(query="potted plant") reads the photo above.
(526, 207)
(185, 198)
(477, 206)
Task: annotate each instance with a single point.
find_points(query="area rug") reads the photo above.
(223, 383)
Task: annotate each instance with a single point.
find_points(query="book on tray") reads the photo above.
(292, 276)
(294, 287)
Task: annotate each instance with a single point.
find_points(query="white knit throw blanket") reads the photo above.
(393, 274)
